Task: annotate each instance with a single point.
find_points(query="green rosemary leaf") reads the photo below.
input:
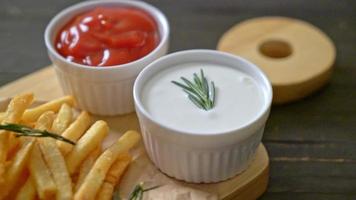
(199, 98)
(24, 131)
(196, 89)
(151, 188)
(182, 86)
(202, 77)
(212, 93)
(205, 87)
(201, 73)
(197, 81)
(198, 103)
(190, 84)
(137, 192)
(199, 91)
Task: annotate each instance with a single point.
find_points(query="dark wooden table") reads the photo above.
(312, 143)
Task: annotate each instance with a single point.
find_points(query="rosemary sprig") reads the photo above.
(137, 192)
(199, 91)
(22, 131)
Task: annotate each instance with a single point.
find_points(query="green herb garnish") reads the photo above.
(199, 91)
(24, 131)
(137, 193)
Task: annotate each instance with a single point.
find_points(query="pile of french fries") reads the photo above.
(45, 168)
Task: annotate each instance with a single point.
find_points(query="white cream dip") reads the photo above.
(239, 99)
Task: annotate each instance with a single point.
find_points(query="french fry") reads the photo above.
(56, 163)
(50, 162)
(17, 107)
(97, 174)
(19, 183)
(45, 121)
(113, 177)
(42, 179)
(13, 114)
(13, 141)
(2, 116)
(86, 144)
(74, 132)
(40, 175)
(86, 166)
(16, 168)
(53, 158)
(33, 114)
(63, 119)
(13, 147)
(27, 191)
(106, 191)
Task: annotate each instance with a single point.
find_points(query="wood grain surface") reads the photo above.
(311, 143)
(296, 56)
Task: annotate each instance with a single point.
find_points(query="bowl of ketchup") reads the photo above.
(99, 47)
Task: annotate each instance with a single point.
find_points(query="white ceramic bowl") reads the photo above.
(201, 157)
(103, 90)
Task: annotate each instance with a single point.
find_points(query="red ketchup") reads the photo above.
(108, 36)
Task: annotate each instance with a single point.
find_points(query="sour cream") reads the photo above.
(239, 99)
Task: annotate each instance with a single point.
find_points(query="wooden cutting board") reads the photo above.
(247, 186)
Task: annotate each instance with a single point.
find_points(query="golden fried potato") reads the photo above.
(90, 140)
(13, 114)
(74, 132)
(63, 119)
(97, 174)
(113, 177)
(33, 114)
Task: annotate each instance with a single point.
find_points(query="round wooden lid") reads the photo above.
(296, 56)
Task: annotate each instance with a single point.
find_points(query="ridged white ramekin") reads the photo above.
(103, 90)
(201, 158)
